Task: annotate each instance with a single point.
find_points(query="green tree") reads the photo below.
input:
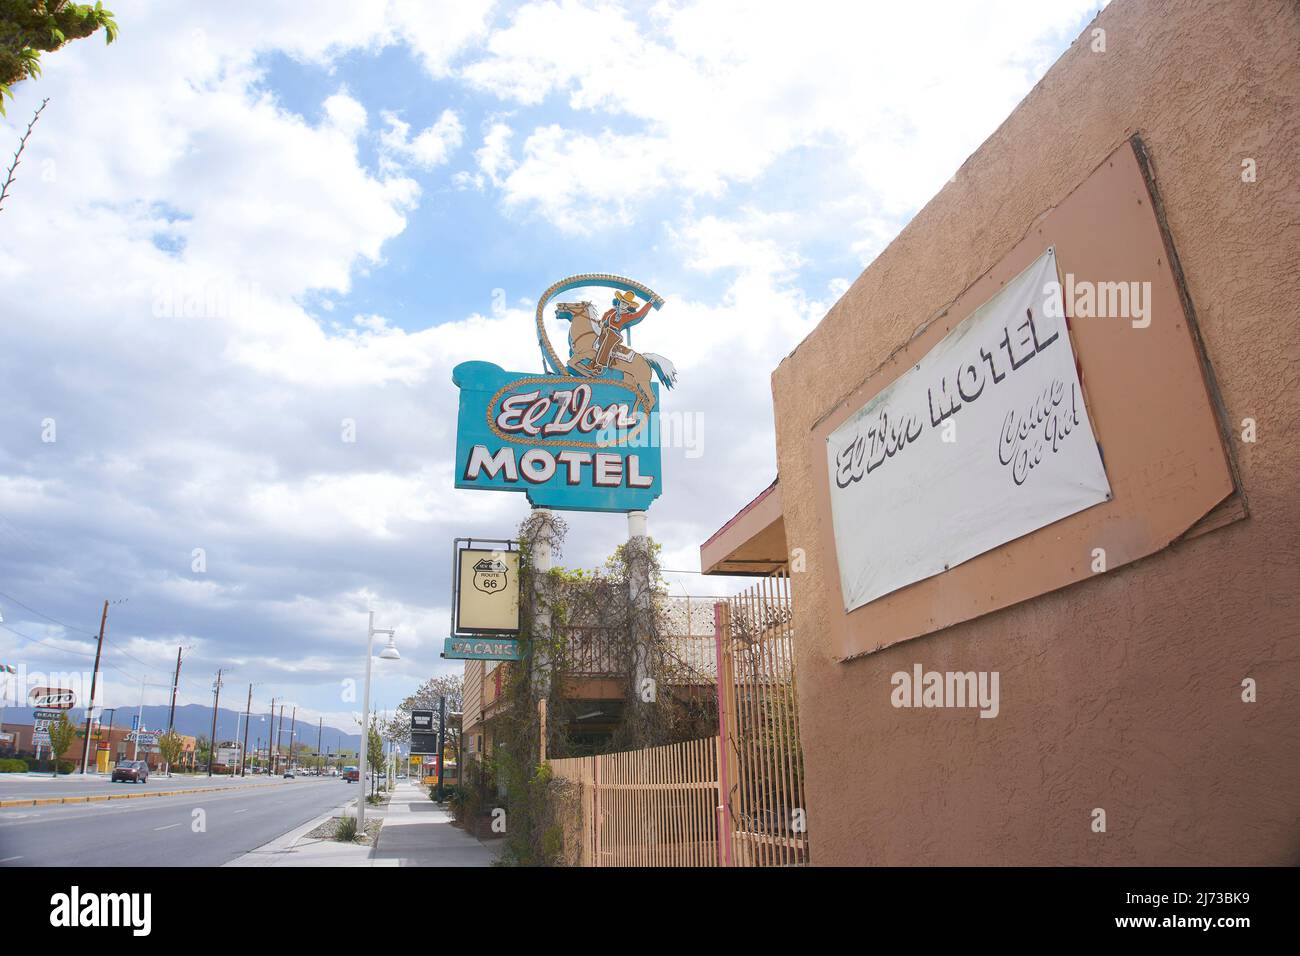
(171, 744)
(451, 686)
(29, 28)
(62, 733)
(374, 749)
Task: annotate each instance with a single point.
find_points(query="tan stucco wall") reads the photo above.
(1122, 692)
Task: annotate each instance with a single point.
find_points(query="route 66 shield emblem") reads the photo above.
(490, 576)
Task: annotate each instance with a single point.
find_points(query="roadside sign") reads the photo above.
(486, 591)
(58, 698)
(135, 722)
(423, 742)
(480, 649)
(421, 720)
(42, 713)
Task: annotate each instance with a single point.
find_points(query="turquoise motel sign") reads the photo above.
(480, 649)
(584, 434)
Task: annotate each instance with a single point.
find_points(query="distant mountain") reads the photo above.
(195, 720)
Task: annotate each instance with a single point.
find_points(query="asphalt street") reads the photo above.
(201, 829)
(30, 786)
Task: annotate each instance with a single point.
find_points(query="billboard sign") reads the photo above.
(584, 434)
(55, 698)
(421, 721)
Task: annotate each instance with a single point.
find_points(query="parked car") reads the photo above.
(131, 771)
(351, 774)
(288, 775)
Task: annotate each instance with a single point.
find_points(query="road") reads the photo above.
(161, 831)
(29, 786)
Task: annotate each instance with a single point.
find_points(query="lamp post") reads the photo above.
(389, 653)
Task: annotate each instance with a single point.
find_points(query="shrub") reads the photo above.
(346, 829)
(13, 766)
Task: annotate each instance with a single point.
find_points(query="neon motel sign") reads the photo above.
(584, 434)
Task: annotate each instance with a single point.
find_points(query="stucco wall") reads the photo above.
(1122, 692)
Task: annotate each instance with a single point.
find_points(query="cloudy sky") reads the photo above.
(242, 224)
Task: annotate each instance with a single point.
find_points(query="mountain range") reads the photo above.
(195, 720)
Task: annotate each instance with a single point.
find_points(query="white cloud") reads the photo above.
(431, 147)
(717, 92)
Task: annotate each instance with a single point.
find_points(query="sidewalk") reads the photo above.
(415, 832)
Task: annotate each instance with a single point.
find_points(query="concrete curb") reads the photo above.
(99, 797)
(270, 853)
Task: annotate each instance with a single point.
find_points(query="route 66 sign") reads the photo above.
(487, 592)
(491, 575)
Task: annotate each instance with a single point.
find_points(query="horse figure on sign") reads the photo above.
(597, 348)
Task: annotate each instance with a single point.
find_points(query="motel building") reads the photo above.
(1038, 501)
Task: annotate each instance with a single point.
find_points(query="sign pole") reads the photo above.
(94, 680)
(442, 747)
(639, 600)
(541, 608)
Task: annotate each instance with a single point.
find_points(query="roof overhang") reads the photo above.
(752, 543)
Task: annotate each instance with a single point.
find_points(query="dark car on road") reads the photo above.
(131, 771)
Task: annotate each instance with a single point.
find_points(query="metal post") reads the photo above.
(442, 744)
(248, 719)
(365, 729)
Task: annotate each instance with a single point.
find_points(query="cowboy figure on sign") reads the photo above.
(597, 349)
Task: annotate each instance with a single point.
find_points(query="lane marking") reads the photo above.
(245, 810)
(168, 827)
(10, 859)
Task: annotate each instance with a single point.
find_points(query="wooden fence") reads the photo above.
(652, 807)
(736, 799)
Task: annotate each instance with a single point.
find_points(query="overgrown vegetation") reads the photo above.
(29, 28)
(607, 621)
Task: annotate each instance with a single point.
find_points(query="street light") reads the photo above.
(389, 653)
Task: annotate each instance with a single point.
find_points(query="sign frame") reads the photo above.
(511, 546)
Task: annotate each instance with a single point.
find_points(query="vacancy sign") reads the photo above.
(985, 440)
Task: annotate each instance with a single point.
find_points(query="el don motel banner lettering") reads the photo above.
(985, 440)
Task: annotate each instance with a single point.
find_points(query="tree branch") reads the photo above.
(22, 143)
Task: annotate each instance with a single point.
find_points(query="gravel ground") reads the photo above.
(327, 830)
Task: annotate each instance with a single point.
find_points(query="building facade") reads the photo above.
(1147, 648)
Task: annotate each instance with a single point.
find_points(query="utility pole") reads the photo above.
(94, 682)
(176, 680)
(248, 719)
(320, 728)
(279, 736)
(293, 726)
(216, 702)
(270, 766)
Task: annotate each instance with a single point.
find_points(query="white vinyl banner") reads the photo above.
(983, 441)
